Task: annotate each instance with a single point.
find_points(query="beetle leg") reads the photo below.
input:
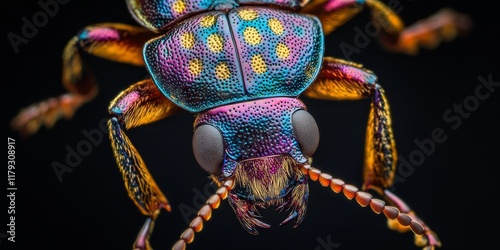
(142, 240)
(140, 104)
(204, 214)
(116, 42)
(443, 26)
(342, 80)
(335, 16)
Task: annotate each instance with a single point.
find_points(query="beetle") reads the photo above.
(240, 67)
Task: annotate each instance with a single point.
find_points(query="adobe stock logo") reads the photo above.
(364, 36)
(199, 200)
(454, 117)
(75, 155)
(327, 244)
(31, 26)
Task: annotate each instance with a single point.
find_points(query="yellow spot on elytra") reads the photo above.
(282, 51)
(187, 40)
(178, 6)
(195, 66)
(248, 15)
(275, 26)
(215, 42)
(207, 21)
(251, 36)
(222, 71)
(258, 64)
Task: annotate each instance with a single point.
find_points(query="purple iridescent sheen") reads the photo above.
(254, 129)
(291, 45)
(100, 34)
(158, 15)
(214, 58)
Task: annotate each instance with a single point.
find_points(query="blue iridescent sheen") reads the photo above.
(254, 129)
(216, 58)
(158, 15)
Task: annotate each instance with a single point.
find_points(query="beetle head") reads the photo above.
(260, 144)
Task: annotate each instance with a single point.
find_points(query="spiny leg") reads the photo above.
(112, 41)
(342, 80)
(141, 103)
(443, 26)
(204, 214)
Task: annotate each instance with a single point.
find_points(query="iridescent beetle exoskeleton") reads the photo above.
(240, 66)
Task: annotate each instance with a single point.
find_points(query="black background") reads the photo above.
(452, 190)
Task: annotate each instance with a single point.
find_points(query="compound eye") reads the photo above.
(208, 148)
(306, 131)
